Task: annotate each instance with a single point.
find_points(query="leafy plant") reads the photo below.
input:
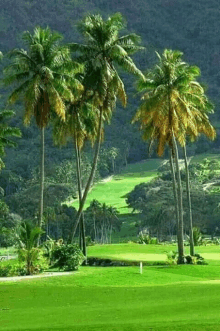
(196, 259)
(197, 236)
(67, 256)
(8, 269)
(146, 239)
(27, 251)
(172, 257)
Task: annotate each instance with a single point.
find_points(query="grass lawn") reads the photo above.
(200, 157)
(115, 299)
(114, 191)
(184, 297)
(6, 251)
(135, 252)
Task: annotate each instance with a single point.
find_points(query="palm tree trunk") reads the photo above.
(40, 220)
(180, 200)
(175, 193)
(91, 177)
(192, 251)
(82, 238)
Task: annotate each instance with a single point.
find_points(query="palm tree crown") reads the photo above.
(173, 103)
(42, 75)
(6, 132)
(103, 49)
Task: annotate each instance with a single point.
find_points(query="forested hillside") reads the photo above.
(192, 27)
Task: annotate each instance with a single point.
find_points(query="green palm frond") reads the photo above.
(45, 69)
(173, 102)
(6, 133)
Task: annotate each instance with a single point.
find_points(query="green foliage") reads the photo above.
(197, 236)
(33, 259)
(41, 75)
(172, 258)
(28, 253)
(6, 132)
(147, 239)
(196, 259)
(10, 269)
(67, 256)
(101, 221)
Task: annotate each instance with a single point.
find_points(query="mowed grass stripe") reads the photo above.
(114, 192)
(65, 305)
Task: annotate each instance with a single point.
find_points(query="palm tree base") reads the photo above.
(181, 260)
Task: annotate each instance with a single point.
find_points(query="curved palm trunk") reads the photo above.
(175, 193)
(192, 251)
(180, 200)
(91, 177)
(82, 242)
(40, 220)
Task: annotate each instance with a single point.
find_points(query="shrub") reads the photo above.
(8, 270)
(146, 239)
(28, 253)
(197, 236)
(89, 241)
(172, 257)
(200, 260)
(34, 259)
(67, 256)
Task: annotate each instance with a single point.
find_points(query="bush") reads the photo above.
(172, 258)
(197, 236)
(67, 256)
(8, 270)
(199, 260)
(34, 259)
(89, 241)
(146, 239)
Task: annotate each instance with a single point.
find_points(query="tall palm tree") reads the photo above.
(80, 125)
(168, 112)
(6, 132)
(201, 108)
(42, 76)
(102, 52)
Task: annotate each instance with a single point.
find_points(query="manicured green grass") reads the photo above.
(114, 192)
(200, 157)
(136, 252)
(115, 299)
(6, 251)
(142, 167)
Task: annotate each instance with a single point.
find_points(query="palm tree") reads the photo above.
(79, 126)
(6, 132)
(201, 108)
(27, 238)
(168, 112)
(103, 49)
(42, 76)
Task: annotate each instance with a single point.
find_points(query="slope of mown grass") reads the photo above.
(115, 299)
(200, 157)
(114, 191)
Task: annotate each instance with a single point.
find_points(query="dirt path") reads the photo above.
(49, 274)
